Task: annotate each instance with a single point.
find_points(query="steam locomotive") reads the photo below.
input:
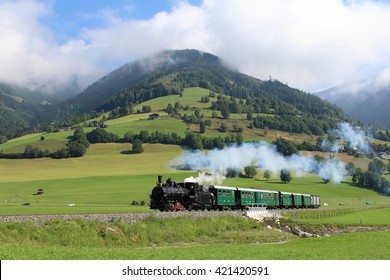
(172, 196)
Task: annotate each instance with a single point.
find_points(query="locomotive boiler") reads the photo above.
(172, 196)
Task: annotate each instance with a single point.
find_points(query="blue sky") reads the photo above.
(70, 16)
(311, 45)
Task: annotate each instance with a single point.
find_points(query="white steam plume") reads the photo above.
(259, 154)
(354, 137)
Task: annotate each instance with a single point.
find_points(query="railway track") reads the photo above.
(109, 217)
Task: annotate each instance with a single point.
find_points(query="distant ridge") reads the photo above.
(365, 100)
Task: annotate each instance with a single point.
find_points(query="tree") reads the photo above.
(232, 173)
(202, 127)
(356, 177)
(32, 152)
(225, 113)
(123, 111)
(351, 169)
(143, 136)
(3, 139)
(193, 141)
(285, 147)
(178, 106)
(267, 175)
(205, 99)
(169, 109)
(223, 127)
(239, 139)
(377, 166)
(80, 137)
(214, 114)
(146, 109)
(250, 171)
(325, 179)
(285, 175)
(99, 135)
(137, 146)
(76, 149)
(61, 153)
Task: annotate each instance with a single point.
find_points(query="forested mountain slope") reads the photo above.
(169, 72)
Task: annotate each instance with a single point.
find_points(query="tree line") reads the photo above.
(372, 178)
(76, 147)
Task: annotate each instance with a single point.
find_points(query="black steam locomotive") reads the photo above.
(172, 196)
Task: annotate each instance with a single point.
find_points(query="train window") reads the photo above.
(228, 194)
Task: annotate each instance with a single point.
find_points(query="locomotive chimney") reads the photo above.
(160, 179)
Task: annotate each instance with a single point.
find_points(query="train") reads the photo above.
(190, 195)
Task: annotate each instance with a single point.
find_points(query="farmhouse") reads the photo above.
(153, 116)
(40, 191)
(384, 155)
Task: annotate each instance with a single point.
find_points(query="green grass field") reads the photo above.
(181, 238)
(105, 177)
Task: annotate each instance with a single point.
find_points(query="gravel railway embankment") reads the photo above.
(126, 217)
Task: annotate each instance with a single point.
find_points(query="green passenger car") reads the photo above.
(286, 199)
(270, 199)
(306, 200)
(225, 196)
(247, 196)
(297, 200)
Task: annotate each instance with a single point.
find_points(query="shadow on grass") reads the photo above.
(127, 152)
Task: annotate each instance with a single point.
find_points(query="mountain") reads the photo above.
(366, 100)
(170, 71)
(19, 107)
(274, 104)
(128, 75)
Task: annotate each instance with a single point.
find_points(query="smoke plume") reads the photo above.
(217, 162)
(353, 137)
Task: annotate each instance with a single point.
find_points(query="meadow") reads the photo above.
(181, 238)
(106, 180)
(108, 177)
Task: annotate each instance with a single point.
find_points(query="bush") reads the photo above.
(137, 147)
(250, 171)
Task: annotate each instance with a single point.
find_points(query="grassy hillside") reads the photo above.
(110, 176)
(137, 122)
(108, 179)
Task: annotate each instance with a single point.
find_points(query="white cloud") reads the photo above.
(29, 54)
(308, 44)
